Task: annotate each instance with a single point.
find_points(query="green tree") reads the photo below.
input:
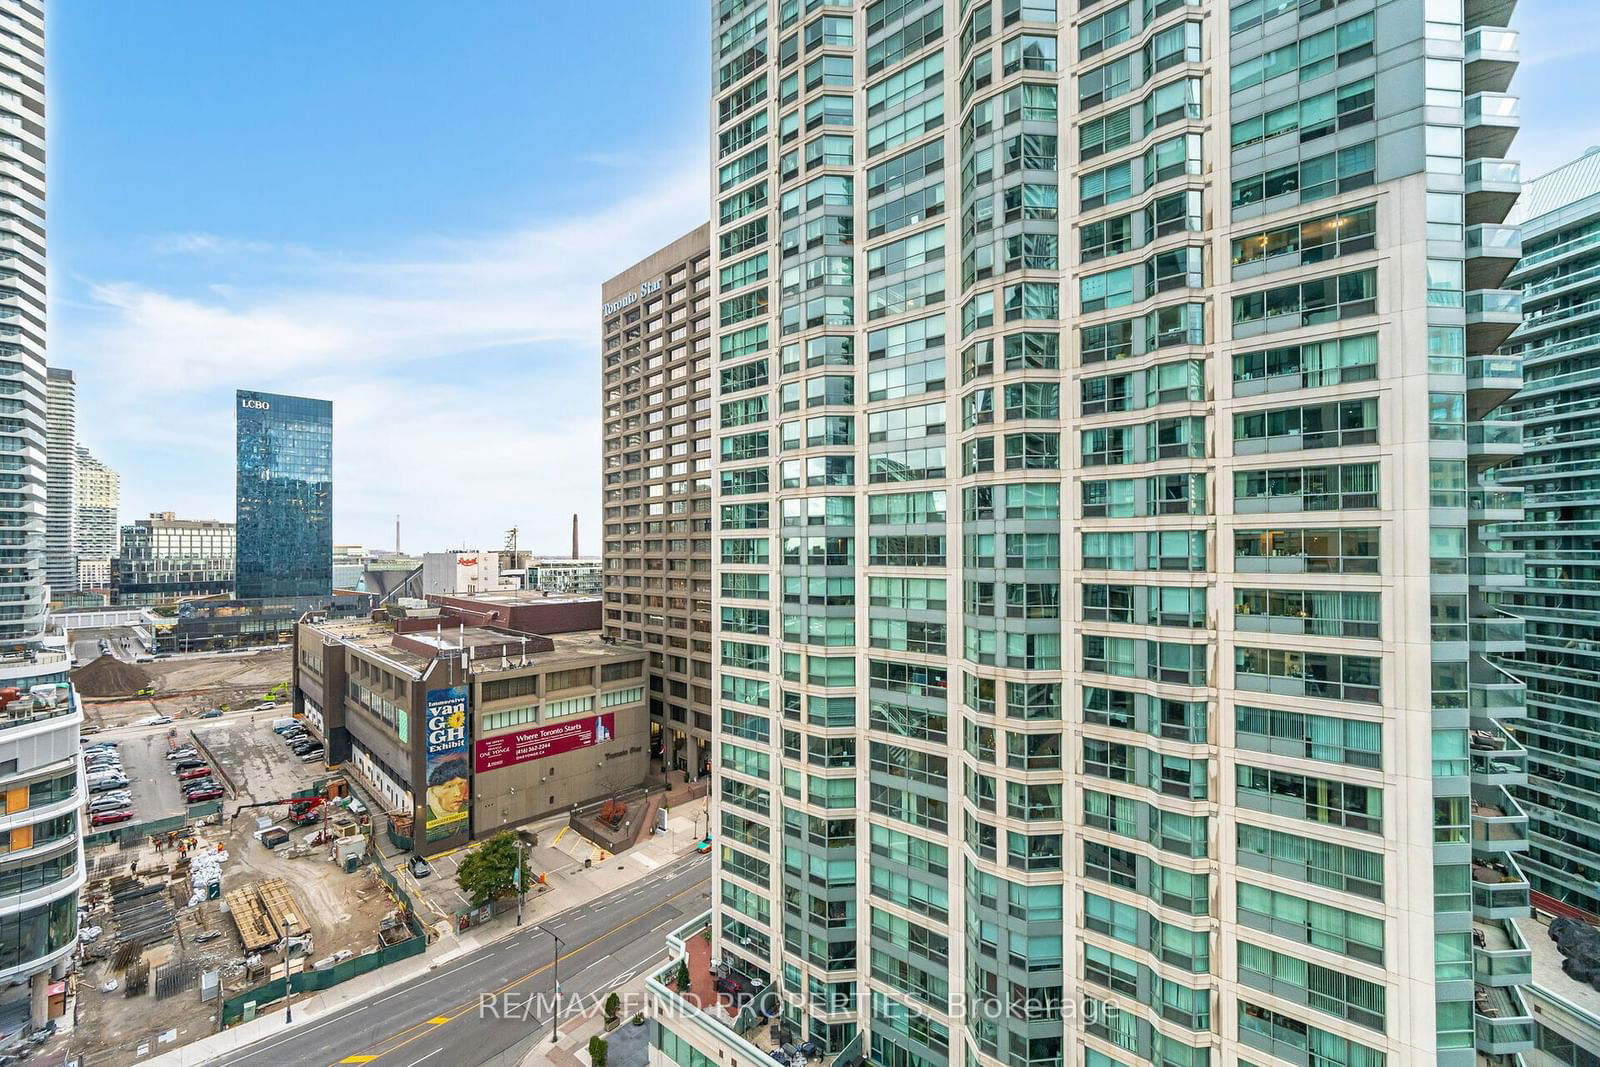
(613, 1006)
(681, 979)
(488, 871)
(597, 1051)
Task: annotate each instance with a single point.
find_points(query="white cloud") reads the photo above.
(463, 370)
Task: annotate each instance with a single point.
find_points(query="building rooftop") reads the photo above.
(517, 597)
(379, 638)
(1547, 972)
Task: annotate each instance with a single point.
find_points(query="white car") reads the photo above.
(155, 720)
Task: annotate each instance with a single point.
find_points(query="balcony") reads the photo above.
(1492, 443)
(1498, 570)
(1498, 634)
(1499, 891)
(1494, 693)
(1493, 120)
(1493, 186)
(1504, 1026)
(1499, 825)
(1491, 381)
(1492, 58)
(1492, 315)
(1497, 757)
(1499, 955)
(1492, 251)
(1495, 505)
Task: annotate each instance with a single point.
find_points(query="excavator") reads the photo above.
(302, 810)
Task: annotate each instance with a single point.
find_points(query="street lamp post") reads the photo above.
(288, 986)
(555, 974)
(521, 888)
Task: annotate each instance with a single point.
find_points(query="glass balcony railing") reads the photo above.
(1499, 955)
(1495, 433)
(1502, 1023)
(1494, 371)
(1494, 172)
(1490, 240)
(1499, 890)
(1493, 107)
(1495, 302)
(1506, 630)
(1491, 39)
(1499, 565)
(1498, 823)
(1496, 757)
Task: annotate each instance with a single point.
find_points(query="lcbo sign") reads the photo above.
(627, 299)
(255, 405)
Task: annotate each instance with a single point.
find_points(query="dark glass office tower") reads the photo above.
(285, 496)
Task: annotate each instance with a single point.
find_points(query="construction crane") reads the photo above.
(511, 544)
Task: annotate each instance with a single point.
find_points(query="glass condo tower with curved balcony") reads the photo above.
(1101, 558)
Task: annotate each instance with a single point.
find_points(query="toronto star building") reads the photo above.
(1104, 581)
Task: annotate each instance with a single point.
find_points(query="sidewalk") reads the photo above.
(568, 888)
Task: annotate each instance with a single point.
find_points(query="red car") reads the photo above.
(101, 818)
(203, 794)
(194, 772)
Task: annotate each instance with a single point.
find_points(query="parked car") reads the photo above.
(154, 720)
(109, 804)
(311, 755)
(201, 771)
(181, 753)
(301, 747)
(107, 783)
(187, 765)
(280, 725)
(419, 867)
(203, 786)
(204, 794)
(103, 818)
(211, 713)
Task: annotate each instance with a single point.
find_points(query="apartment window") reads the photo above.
(1324, 675)
(1320, 300)
(1321, 176)
(1351, 550)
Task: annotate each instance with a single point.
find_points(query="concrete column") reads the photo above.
(39, 998)
(59, 971)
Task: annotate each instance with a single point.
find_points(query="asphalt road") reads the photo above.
(442, 1020)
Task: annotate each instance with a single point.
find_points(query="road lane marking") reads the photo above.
(301, 1033)
(435, 1052)
(358, 1059)
(472, 1005)
(439, 1020)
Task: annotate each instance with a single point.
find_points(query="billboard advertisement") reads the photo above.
(445, 762)
(520, 746)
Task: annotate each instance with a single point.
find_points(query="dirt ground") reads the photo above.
(343, 910)
(185, 686)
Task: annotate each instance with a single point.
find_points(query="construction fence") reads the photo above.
(236, 1008)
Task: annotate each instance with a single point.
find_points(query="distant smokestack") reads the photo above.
(397, 535)
(574, 535)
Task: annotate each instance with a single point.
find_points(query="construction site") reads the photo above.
(200, 926)
(115, 691)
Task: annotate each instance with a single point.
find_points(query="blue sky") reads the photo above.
(408, 209)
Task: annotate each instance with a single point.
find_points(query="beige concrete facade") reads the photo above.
(656, 385)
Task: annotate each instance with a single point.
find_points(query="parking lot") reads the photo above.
(253, 760)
